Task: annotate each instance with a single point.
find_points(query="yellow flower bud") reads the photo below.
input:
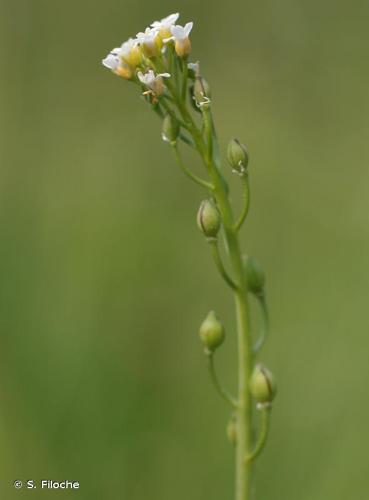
(181, 39)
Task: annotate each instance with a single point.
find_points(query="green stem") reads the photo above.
(170, 111)
(185, 77)
(209, 132)
(209, 153)
(264, 323)
(214, 378)
(219, 264)
(188, 172)
(246, 201)
(211, 136)
(187, 140)
(189, 122)
(263, 433)
(243, 468)
(245, 357)
(205, 141)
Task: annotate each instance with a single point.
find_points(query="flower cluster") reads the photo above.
(148, 58)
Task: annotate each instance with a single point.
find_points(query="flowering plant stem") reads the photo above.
(245, 362)
(173, 88)
(206, 148)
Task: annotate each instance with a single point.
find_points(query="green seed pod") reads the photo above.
(212, 333)
(263, 386)
(232, 431)
(201, 93)
(170, 129)
(255, 276)
(237, 156)
(208, 219)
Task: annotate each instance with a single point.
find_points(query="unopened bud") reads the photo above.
(201, 93)
(212, 333)
(208, 219)
(170, 130)
(263, 386)
(237, 156)
(255, 276)
(232, 430)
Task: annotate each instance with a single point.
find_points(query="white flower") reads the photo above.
(112, 60)
(147, 36)
(166, 21)
(149, 40)
(180, 36)
(130, 52)
(165, 24)
(127, 46)
(152, 81)
(181, 33)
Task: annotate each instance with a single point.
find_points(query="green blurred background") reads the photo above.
(104, 277)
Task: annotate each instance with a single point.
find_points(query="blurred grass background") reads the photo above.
(104, 277)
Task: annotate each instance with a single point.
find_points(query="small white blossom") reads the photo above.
(130, 52)
(152, 81)
(112, 60)
(181, 33)
(115, 63)
(128, 46)
(180, 36)
(148, 39)
(147, 36)
(165, 24)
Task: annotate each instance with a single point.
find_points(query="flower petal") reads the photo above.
(178, 32)
(188, 28)
(171, 19)
(111, 61)
(166, 21)
(141, 77)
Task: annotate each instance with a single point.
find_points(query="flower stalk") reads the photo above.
(157, 61)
